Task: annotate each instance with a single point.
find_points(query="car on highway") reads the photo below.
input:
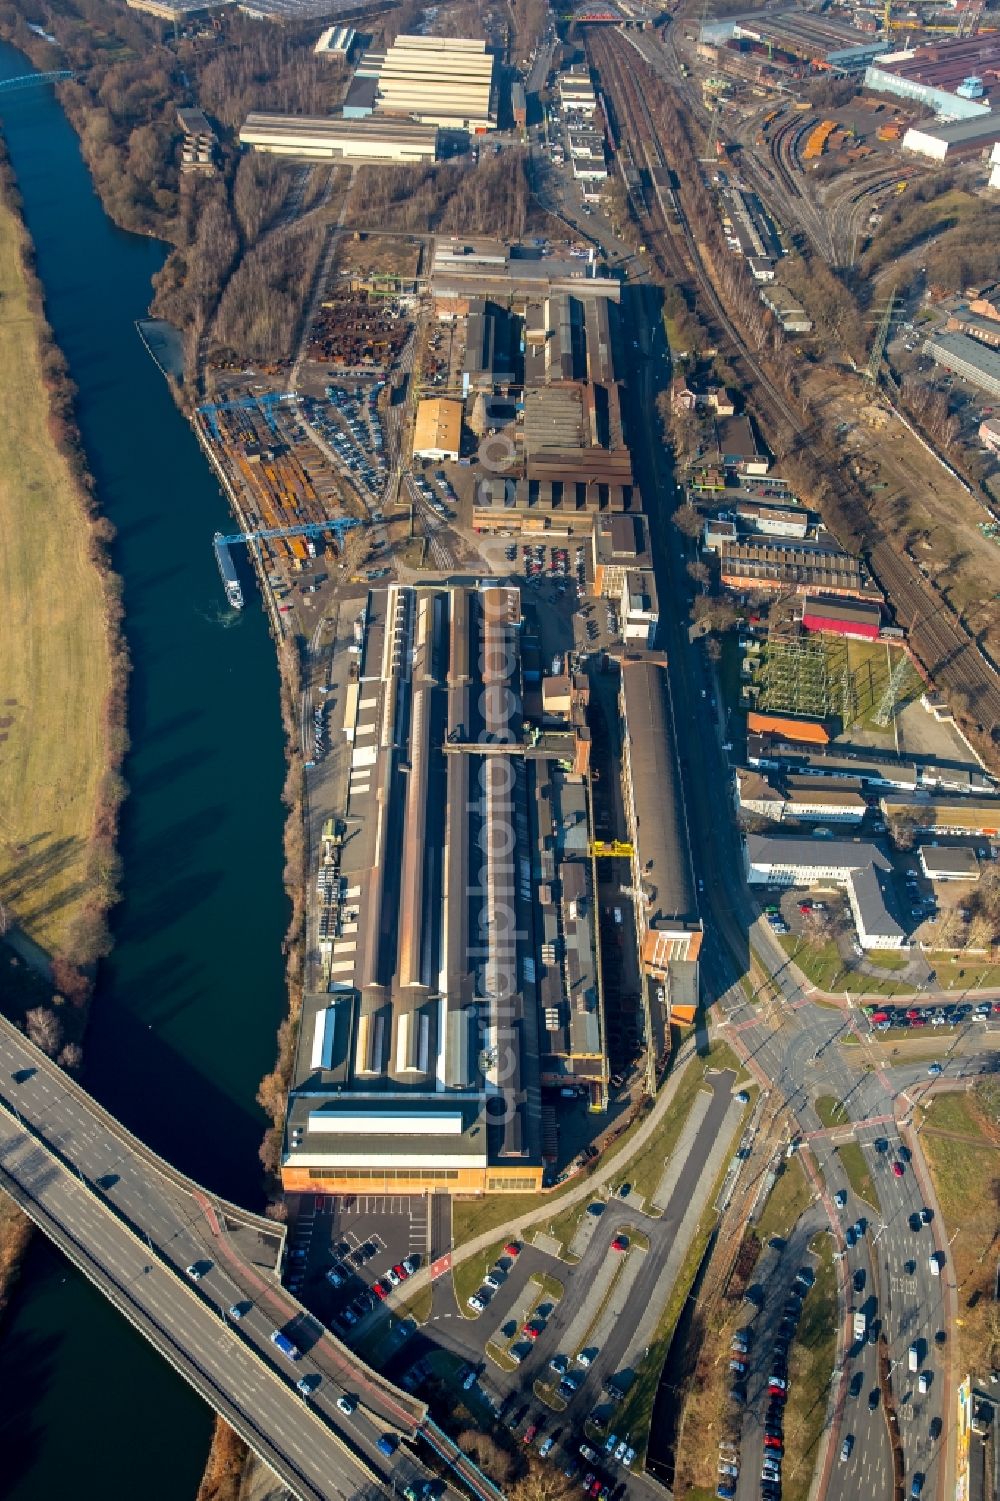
(874, 1397)
(897, 1169)
(239, 1310)
(916, 1486)
(197, 1270)
(859, 1280)
(935, 1070)
(346, 1404)
(840, 1198)
(387, 1445)
(935, 1262)
(846, 1447)
(306, 1385)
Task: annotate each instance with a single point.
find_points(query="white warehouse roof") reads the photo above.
(442, 80)
(329, 139)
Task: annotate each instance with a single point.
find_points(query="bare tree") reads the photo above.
(44, 1029)
(904, 827)
(71, 1057)
(688, 521)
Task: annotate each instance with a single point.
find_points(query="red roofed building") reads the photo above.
(842, 617)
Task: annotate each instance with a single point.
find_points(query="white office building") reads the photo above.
(857, 867)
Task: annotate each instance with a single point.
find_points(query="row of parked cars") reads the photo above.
(882, 1017)
(341, 1272)
(495, 1278)
(777, 1395)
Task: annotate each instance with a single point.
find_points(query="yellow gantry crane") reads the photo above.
(615, 849)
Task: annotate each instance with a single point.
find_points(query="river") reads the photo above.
(187, 1006)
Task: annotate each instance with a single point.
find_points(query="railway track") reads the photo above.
(938, 640)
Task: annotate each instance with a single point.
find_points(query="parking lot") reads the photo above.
(349, 422)
(362, 1240)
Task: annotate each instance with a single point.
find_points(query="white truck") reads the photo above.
(860, 1325)
(913, 1358)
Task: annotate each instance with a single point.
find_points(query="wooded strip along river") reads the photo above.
(184, 1018)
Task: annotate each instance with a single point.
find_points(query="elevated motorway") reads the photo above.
(134, 1226)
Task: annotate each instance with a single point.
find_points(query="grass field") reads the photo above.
(954, 972)
(831, 1110)
(852, 1160)
(887, 959)
(965, 1166)
(822, 964)
(54, 669)
(788, 1199)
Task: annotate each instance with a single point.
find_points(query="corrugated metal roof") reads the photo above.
(660, 824)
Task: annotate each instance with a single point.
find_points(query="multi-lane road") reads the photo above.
(140, 1232)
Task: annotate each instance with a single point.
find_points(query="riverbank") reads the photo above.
(64, 665)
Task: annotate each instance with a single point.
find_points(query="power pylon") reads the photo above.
(893, 688)
(881, 339)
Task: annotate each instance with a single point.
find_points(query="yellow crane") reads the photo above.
(603, 849)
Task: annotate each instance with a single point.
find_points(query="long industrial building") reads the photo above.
(439, 80)
(668, 925)
(953, 78)
(974, 362)
(959, 138)
(458, 914)
(816, 40)
(323, 138)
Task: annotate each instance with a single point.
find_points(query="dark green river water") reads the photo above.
(184, 1019)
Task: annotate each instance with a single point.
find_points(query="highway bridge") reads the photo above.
(140, 1231)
